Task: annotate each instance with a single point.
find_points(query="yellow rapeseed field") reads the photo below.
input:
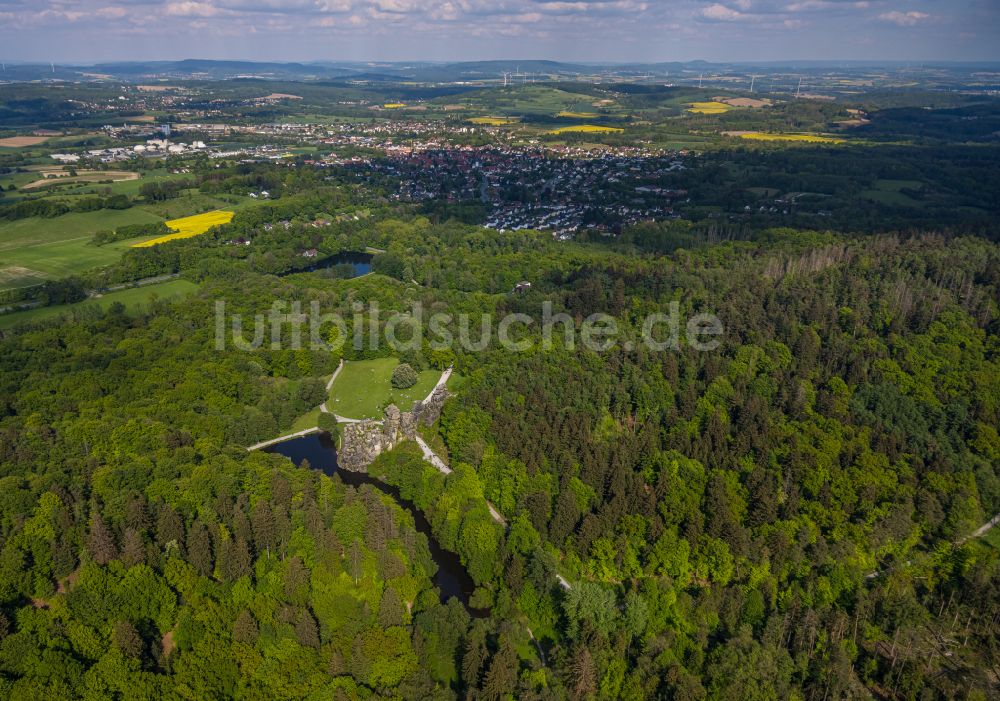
(587, 129)
(809, 138)
(709, 107)
(493, 121)
(187, 227)
(578, 115)
(393, 106)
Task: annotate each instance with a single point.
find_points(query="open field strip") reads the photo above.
(805, 138)
(493, 121)
(22, 141)
(135, 300)
(587, 129)
(88, 176)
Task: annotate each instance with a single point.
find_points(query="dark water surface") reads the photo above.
(361, 263)
(451, 578)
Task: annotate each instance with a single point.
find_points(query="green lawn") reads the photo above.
(362, 389)
(134, 298)
(306, 421)
(35, 248)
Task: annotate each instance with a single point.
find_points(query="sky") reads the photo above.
(90, 31)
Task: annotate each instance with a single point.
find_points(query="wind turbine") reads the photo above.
(753, 79)
(700, 78)
(798, 90)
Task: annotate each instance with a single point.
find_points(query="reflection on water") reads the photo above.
(318, 448)
(343, 265)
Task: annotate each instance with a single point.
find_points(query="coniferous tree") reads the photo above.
(306, 630)
(101, 543)
(169, 528)
(583, 674)
(264, 528)
(245, 628)
(235, 560)
(136, 515)
(391, 610)
(501, 677)
(126, 638)
(200, 549)
(473, 658)
(133, 548)
(296, 581)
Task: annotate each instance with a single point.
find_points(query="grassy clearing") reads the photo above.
(587, 129)
(189, 226)
(135, 300)
(362, 389)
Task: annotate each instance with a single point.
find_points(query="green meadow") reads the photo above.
(35, 249)
(135, 299)
(362, 389)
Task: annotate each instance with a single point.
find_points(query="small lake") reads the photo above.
(344, 265)
(451, 578)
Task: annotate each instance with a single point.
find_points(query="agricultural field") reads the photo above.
(22, 141)
(803, 138)
(135, 299)
(37, 249)
(362, 389)
(709, 107)
(58, 176)
(587, 129)
(493, 121)
(578, 115)
(189, 226)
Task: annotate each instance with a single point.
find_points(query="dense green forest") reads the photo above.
(787, 516)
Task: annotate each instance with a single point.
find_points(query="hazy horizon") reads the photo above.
(788, 62)
(596, 31)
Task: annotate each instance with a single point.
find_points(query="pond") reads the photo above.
(451, 577)
(349, 264)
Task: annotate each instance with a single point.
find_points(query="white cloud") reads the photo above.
(904, 19)
(191, 8)
(721, 13)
